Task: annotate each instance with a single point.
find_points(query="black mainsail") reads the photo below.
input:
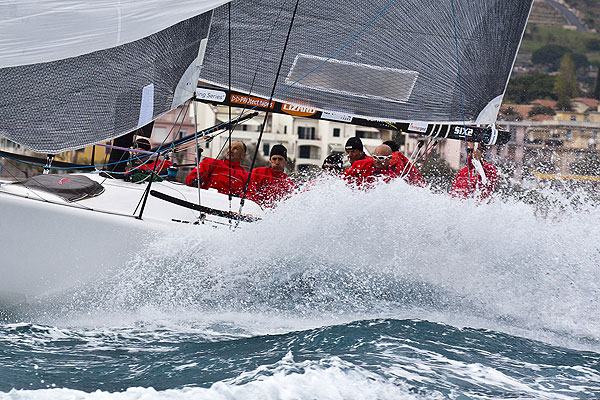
(412, 60)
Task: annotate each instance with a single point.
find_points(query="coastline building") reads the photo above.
(308, 141)
(550, 146)
(541, 145)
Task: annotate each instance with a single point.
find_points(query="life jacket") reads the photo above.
(161, 169)
(268, 187)
(469, 183)
(214, 174)
(404, 168)
(362, 173)
(364, 157)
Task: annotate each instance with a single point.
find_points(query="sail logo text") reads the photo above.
(251, 101)
(462, 131)
(210, 95)
(298, 110)
(418, 127)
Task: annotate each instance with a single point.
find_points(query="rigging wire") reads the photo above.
(144, 198)
(264, 124)
(462, 105)
(244, 110)
(229, 86)
(197, 152)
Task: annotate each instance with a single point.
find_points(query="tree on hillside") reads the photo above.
(593, 44)
(523, 89)
(552, 55)
(548, 54)
(541, 110)
(566, 83)
(580, 60)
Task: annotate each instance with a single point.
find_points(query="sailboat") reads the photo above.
(82, 73)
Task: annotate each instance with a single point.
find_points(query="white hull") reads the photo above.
(48, 245)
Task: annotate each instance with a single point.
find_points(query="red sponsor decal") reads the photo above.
(251, 101)
(62, 180)
(298, 110)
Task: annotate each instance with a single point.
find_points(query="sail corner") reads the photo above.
(490, 112)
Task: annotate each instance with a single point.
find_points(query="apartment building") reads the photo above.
(551, 145)
(308, 141)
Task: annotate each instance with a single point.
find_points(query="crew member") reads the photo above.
(269, 185)
(213, 173)
(403, 167)
(142, 164)
(366, 172)
(354, 150)
(479, 179)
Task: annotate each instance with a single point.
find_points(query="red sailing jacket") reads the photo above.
(268, 187)
(161, 169)
(215, 174)
(363, 173)
(411, 175)
(477, 189)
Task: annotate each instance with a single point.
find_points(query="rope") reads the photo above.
(197, 152)
(144, 198)
(412, 157)
(428, 152)
(462, 105)
(229, 87)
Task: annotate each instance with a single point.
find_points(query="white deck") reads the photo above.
(48, 245)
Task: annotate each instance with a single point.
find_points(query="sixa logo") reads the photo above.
(298, 110)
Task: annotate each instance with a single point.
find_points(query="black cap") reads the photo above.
(393, 145)
(354, 143)
(278, 150)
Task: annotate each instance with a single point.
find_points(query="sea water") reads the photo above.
(396, 293)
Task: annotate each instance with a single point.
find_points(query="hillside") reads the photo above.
(548, 37)
(590, 11)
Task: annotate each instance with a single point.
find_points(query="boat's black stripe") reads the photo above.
(207, 210)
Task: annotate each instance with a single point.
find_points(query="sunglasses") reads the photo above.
(382, 158)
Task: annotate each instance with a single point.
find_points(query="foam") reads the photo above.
(331, 255)
(329, 379)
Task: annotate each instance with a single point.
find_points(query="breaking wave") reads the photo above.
(330, 254)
